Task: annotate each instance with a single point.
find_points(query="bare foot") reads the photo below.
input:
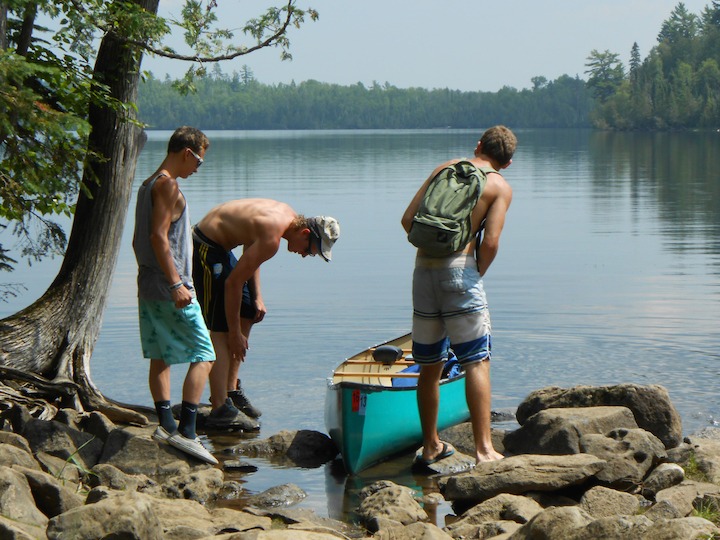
(442, 450)
(484, 457)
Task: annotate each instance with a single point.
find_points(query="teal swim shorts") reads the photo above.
(176, 336)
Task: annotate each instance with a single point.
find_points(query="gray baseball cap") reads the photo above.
(326, 230)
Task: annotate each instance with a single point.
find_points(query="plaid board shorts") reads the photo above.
(449, 310)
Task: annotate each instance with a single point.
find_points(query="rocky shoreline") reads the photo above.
(585, 462)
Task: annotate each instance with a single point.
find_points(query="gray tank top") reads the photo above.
(152, 283)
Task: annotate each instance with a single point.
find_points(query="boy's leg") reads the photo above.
(220, 369)
(234, 365)
(224, 414)
(477, 392)
(235, 391)
(159, 382)
(193, 387)
(186, 438)
(428, 397)
(195, 380)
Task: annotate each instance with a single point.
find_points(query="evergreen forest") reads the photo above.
(676, 86)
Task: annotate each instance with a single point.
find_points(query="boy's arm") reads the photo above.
(254, 286)
(247, 267)
(494, 223)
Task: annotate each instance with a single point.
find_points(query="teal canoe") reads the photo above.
(371, 410)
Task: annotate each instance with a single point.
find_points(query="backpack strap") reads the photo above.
(487, 170)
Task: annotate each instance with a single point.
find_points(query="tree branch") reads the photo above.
(270, 41)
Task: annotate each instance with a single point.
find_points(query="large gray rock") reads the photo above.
(14, 530)
(600, 502)
(560, 522)
(650, 405)
(200, 485)
(456, 463)
(683, 495)
(662, 511)
(97, 424)
(520, 474)
(630, 454)
(52, 497)
(634, 527)
(13, 455)
(62, 469)
(690, 528)
(104, 474)
(503, 513)
(461, 438)
(558, 431)
(707, 457)
(390, 501)
(278, 496)
(182, 519)
(16, 499)
(226, 519)
(8, 437)
(130, 517)
(572, 523)
(664, 476)
(497, 530)
(414, 531)
(134, 454)
(64, 442)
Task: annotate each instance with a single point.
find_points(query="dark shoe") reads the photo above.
(227, 416)
(241, 401)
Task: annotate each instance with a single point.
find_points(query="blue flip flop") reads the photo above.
(446, 451)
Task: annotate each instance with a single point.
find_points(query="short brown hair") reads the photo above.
(499, 143)
(188, 137)
(300, 222)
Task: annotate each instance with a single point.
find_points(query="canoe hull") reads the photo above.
(371, 422)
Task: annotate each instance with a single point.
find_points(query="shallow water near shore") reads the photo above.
(608, 273)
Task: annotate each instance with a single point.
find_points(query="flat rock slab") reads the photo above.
(520, 474)
(457, 463)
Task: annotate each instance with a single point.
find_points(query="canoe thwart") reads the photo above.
(375, 375)
(368, 363)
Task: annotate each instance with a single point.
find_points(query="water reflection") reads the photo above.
(343, 491)
(609, 272)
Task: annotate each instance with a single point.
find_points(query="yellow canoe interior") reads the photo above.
(364, 369)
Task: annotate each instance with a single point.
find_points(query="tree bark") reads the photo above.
(54, 337)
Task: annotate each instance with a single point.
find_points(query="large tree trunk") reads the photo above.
(49, 344)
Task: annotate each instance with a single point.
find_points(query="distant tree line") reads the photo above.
(238, 101)
(677, 86)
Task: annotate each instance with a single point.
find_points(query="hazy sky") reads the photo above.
(458, 44)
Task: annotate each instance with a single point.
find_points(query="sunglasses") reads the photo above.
(200, 160)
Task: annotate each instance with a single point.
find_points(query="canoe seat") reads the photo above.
(387, 354)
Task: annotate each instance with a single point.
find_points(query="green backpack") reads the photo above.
(442, 224)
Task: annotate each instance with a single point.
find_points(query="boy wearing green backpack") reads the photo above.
(450, 310)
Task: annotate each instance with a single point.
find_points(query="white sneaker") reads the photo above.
(192, 447)
(161, 434)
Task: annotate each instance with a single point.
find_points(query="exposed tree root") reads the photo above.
(43, 397)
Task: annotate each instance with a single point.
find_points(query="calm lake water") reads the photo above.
(608, 272)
